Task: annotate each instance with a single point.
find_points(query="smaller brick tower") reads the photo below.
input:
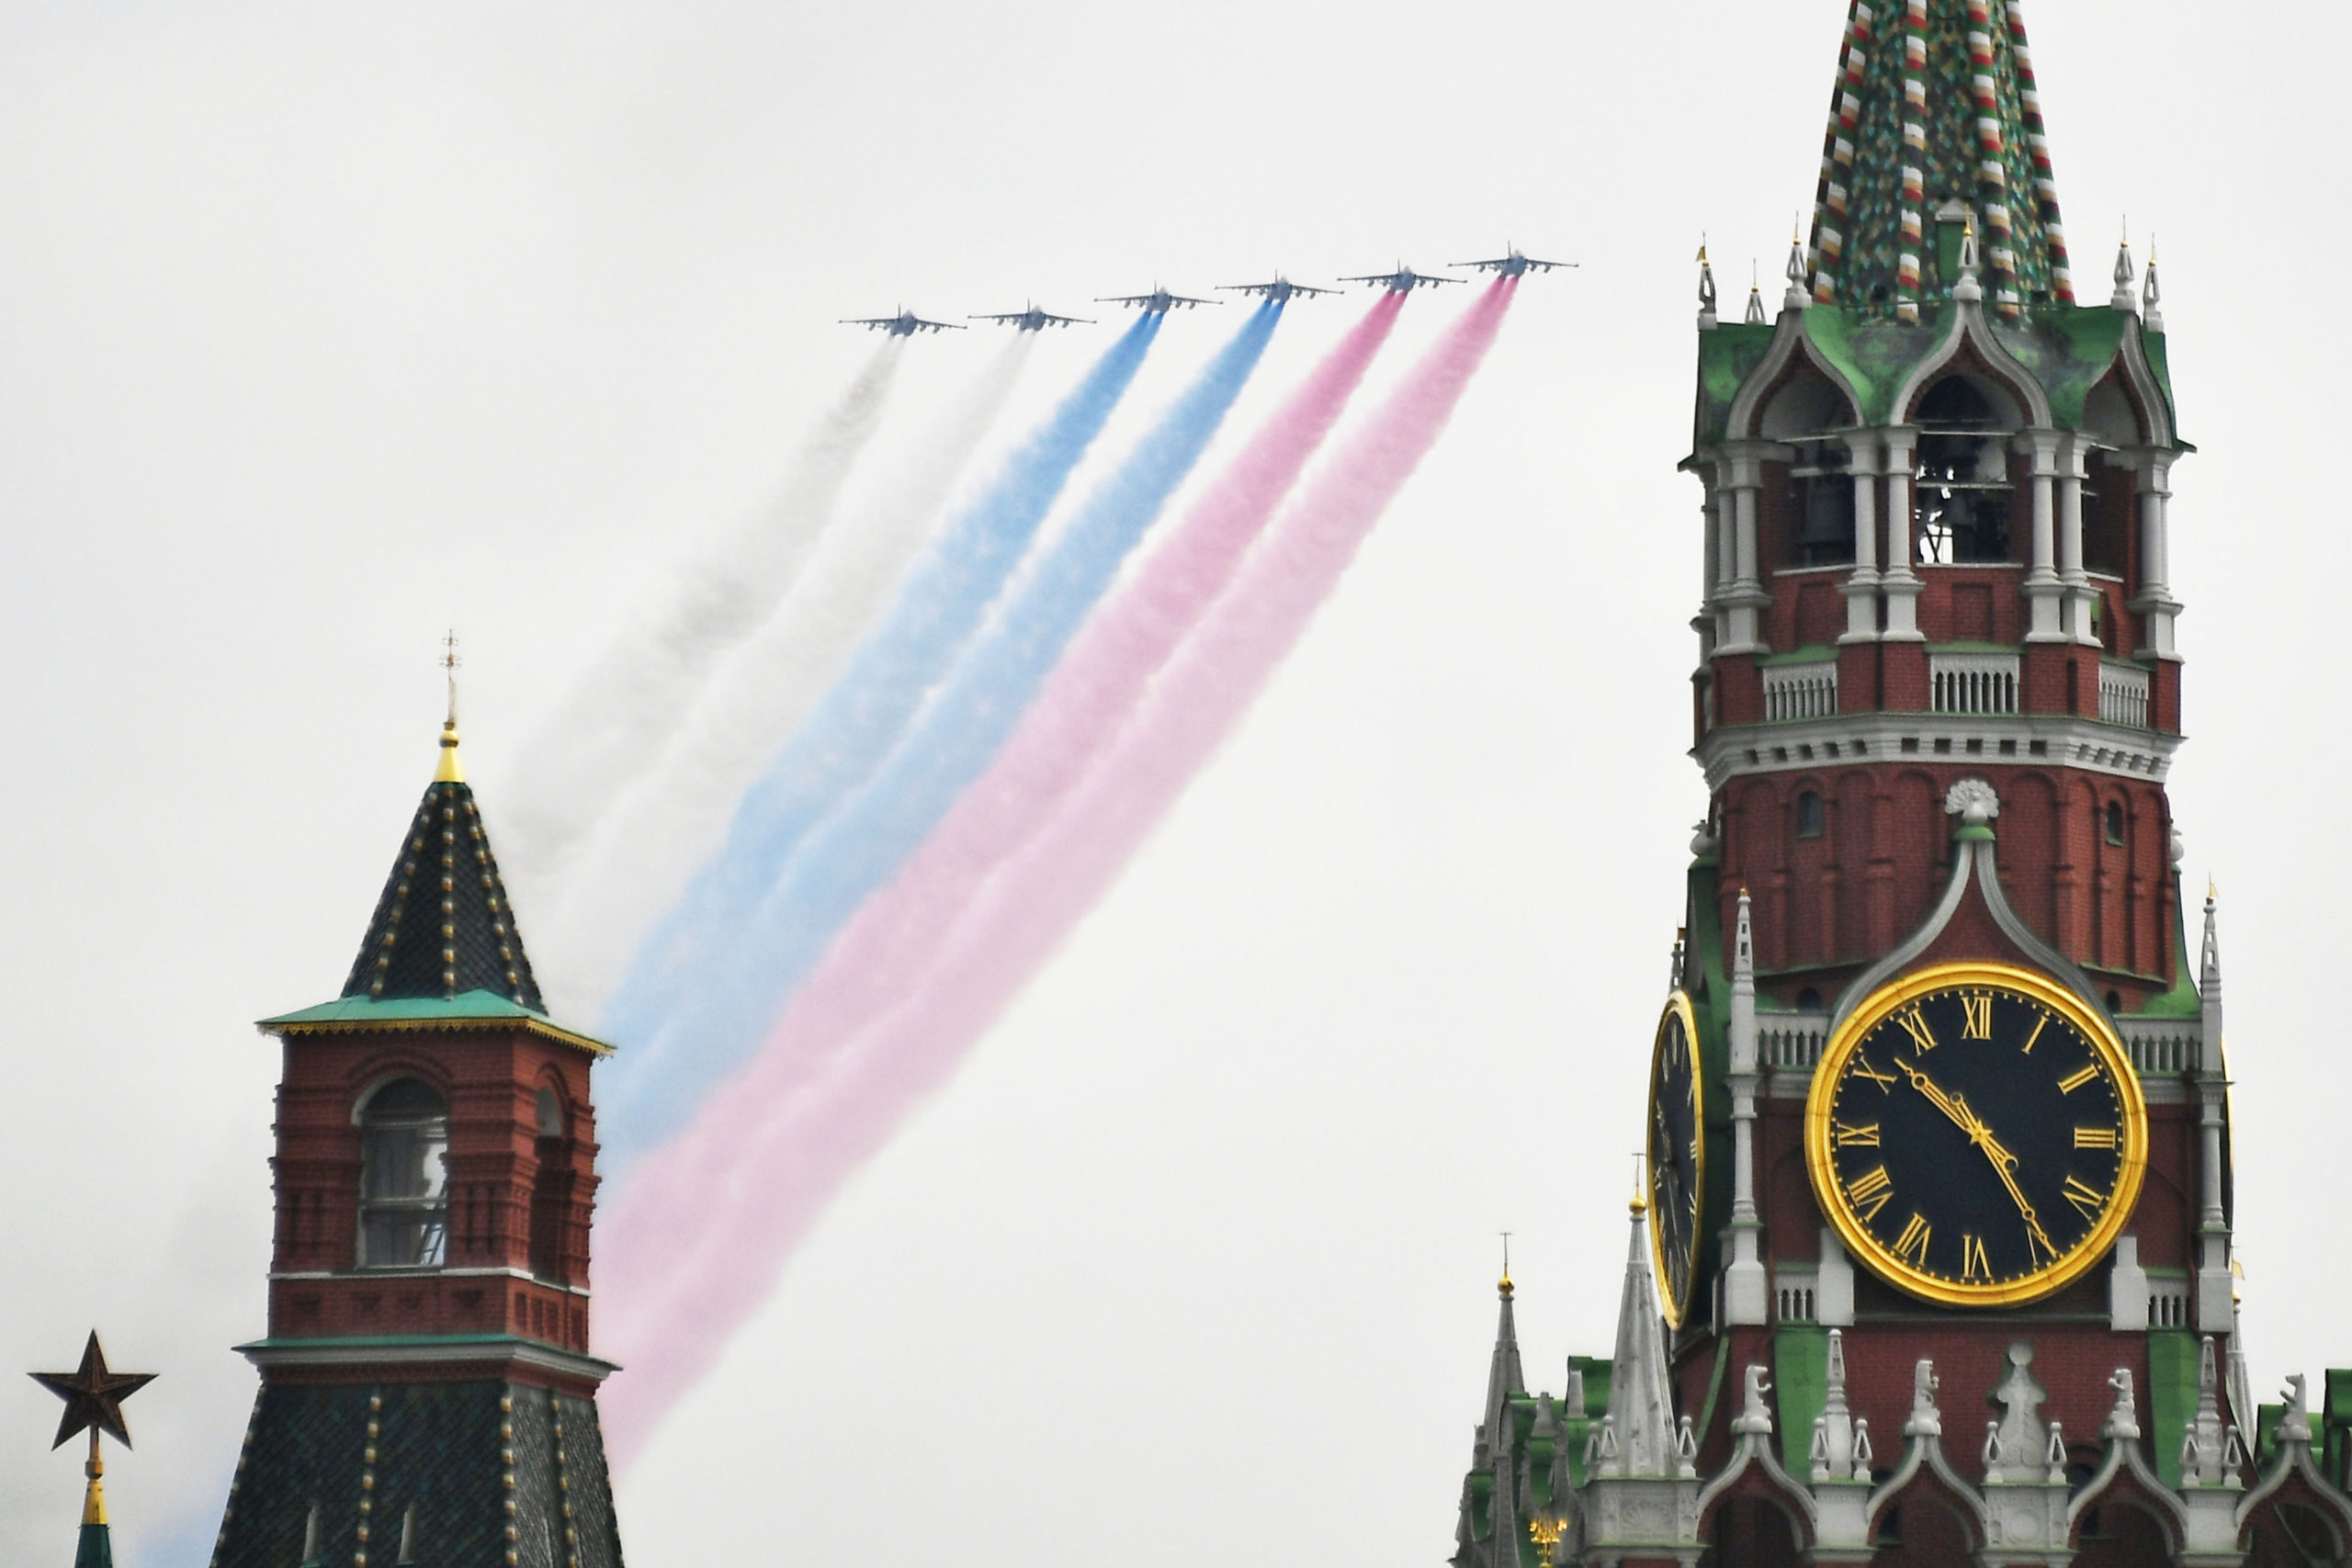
(426, 1393)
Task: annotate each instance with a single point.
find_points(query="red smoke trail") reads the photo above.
(699, 1235)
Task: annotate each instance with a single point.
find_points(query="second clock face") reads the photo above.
(1976, 1134)
(1677, 1155)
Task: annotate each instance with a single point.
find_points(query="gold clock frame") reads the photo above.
(1677, 1005)
(2130, 1176)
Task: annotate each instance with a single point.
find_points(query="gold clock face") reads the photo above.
(1977, 1135)
(1677, 1166)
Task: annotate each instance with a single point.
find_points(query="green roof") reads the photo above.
(466, 1008)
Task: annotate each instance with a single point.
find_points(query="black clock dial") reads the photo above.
(1977, 1136)
(1676, 1168)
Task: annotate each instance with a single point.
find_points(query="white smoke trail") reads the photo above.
(605, 730)
(639, 856)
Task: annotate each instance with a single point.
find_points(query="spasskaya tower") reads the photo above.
(1932, 1264)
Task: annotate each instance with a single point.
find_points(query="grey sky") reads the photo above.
(327, 327)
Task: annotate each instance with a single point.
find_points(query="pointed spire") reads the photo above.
(452, 770)
(1836, 1454)
(444, 925)
(1797, 296)
(2208, 968)
(1707, 289)
(2123, 299)
(2151, 296)
(1935, 103)
(1640, 1420)
(1965, 288)
(1505, 1381)
(2204, 1446)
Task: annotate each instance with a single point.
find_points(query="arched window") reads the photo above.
(1962, 488)
(403, 1177)
(2115, 822)
(1810, 817)
(549, 1111)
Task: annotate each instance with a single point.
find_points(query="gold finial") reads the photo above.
(1640, 1205)
(1702, 250)
(1504, 1284)
(2211, 892)
(451, 770)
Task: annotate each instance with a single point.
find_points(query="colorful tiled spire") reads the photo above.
(1935, 119)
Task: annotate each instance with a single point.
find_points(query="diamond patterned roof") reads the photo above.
(1935, 115)
(444, 925)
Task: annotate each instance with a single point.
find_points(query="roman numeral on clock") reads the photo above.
(2075, 1080)
(2095, 1137)
(1912, 1244)
(1870, 1191)
(1976, 1018)
(1973, 1264)
(1849, 1137)
(1915, 1025)
(2088, 1199)
(1863, 1069)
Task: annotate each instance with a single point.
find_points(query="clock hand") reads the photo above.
(2005, 1163)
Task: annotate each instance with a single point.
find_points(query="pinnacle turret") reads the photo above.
(1505, 1381)
(1935, 116)
(1640, 1419)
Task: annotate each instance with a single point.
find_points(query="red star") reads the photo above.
(93, 1395)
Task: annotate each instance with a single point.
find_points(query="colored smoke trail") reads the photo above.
(714, 1218)
(611, 722)
(633, 865)
(846, 855)
(860, 717)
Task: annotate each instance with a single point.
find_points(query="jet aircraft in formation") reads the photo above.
(1280, 291)
(1515, 265)
(1404, 280)
(1034, 320)
(906, 324)
(1159, 302)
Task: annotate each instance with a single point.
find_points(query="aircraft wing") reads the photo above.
(924, 326)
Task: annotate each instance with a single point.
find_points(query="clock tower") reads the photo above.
(1932, 1261)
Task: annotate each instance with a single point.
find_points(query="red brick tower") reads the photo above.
(1933, 1264)
(427, 1395)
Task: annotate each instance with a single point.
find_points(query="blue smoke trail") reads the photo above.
(945, 597)
(858, 847)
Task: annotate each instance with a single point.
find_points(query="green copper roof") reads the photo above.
(467, 1008)
(1935, 115)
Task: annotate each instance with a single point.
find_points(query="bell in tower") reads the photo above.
(427, 1396)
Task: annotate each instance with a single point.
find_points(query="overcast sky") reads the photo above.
(329, 327)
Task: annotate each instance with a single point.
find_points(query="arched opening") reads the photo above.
(1961, 493)
(551, 1190)
(2114, 823)
(1751, 1533)
(403, 1177)
(1812, 821)
(1922, 1530)
(1820, 500)
(2119, 1534)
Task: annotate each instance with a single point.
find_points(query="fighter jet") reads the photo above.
(1404, 280)
(906, 324)
(1515, 265)
(1033, 319)
(1279, 292)
(1159, 302)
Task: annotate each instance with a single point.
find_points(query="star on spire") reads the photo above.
(93, 1395)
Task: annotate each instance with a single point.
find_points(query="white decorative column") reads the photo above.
(2044, 591)
(1740, 474)
(1747, 1296)
(2216, 1294)
(2076, 582)
(1862, 584)
(2154, 602)
(1706, 623)
(1899, 582)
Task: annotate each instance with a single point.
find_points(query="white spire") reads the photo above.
(1967, 290)
(2205, 1442)
(1834, 1448)
(1799, 296)
(2123, 298)
(2151, 297)
(1707, 289)
(1641, 1393)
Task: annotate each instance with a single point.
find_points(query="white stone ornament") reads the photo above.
(1973, 801)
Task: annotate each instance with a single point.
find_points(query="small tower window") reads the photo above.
(2115, 822)
(549, 1111)
(403, 1177)
(1809, 816)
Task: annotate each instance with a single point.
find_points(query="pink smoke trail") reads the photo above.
(707, 1223)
